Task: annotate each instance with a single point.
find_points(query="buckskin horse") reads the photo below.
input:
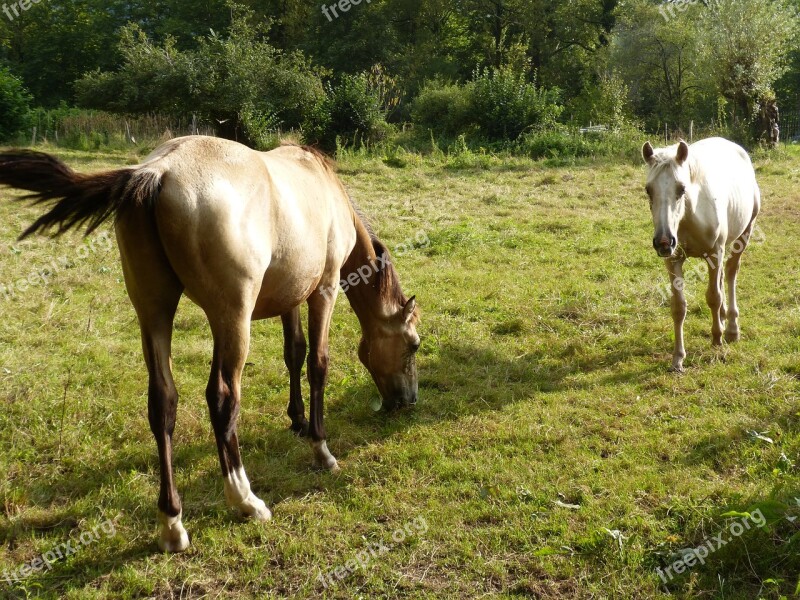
(245, 235)
(703, 198)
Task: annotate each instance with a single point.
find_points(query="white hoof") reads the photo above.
(323, 457)
(173, 536)
(239, 496)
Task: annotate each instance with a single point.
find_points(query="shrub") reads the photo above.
(443, 108)
(500, 104)
(14, 105)
(351, 111)
(504, 104)
(226, 79)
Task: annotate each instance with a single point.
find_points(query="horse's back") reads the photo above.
(240, 227)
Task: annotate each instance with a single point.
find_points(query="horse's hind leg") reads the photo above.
(155, 291)
(731, 272)
(231, 341)
(294, 354)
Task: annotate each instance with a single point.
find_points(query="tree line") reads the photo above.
(492, 71)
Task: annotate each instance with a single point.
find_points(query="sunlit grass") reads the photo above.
(543, 386)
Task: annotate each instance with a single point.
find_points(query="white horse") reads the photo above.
(704, 199)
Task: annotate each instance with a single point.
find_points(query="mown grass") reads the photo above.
(552, 454)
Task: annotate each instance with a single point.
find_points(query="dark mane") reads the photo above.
(387, 282)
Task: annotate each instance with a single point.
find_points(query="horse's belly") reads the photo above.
(282, 289)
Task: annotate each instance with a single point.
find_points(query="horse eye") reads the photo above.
(681, 190)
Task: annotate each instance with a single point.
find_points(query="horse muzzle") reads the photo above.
(665, 246)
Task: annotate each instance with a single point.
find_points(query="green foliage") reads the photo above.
(231, 79)
(622, 143)
(606, 102)
(351, 111)
(499, 104)
(444, 108)
(504, 104)
(14, 105)
(746, 44)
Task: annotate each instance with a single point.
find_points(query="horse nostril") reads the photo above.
(655, 243)
(672, 242)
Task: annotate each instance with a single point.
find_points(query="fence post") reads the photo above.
(33, 141)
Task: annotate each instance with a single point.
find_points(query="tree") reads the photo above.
(14, 105)
(660, 61)
(748, 45)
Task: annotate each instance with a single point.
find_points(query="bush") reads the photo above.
(443, 108)
(504, 104)
(14, 105)
(500, 104)
(237, 80)
(350, 111)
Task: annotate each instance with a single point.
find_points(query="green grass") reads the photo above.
(544, 383)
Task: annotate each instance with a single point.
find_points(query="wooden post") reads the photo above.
(33, 141)
(691, 130)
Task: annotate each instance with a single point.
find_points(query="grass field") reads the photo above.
(551, 455)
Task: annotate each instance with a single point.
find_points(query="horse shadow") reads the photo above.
(279, 463)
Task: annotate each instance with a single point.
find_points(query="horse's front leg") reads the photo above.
(294, 355)
(678, 306)
(714, 297)
(320, 310)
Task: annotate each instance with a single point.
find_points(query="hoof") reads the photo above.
(732, 337)
(256, 509)
(173, 537)
(300, 429)
(323, 459)
(677, 368)
(239, 496)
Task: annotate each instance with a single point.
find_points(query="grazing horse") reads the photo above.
(704, 198)
(245, 235)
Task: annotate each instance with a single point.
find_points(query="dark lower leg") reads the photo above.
(162, 409)
(294, 355)
(318, 324)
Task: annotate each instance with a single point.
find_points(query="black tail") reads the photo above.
(79, 200)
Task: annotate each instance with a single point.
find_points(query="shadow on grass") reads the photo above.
(458, 381)
(764, 560)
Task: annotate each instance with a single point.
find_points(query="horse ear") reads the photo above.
(683, 152)
(409, 308)
(647, 153)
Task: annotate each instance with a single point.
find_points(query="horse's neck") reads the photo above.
(361, 267)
